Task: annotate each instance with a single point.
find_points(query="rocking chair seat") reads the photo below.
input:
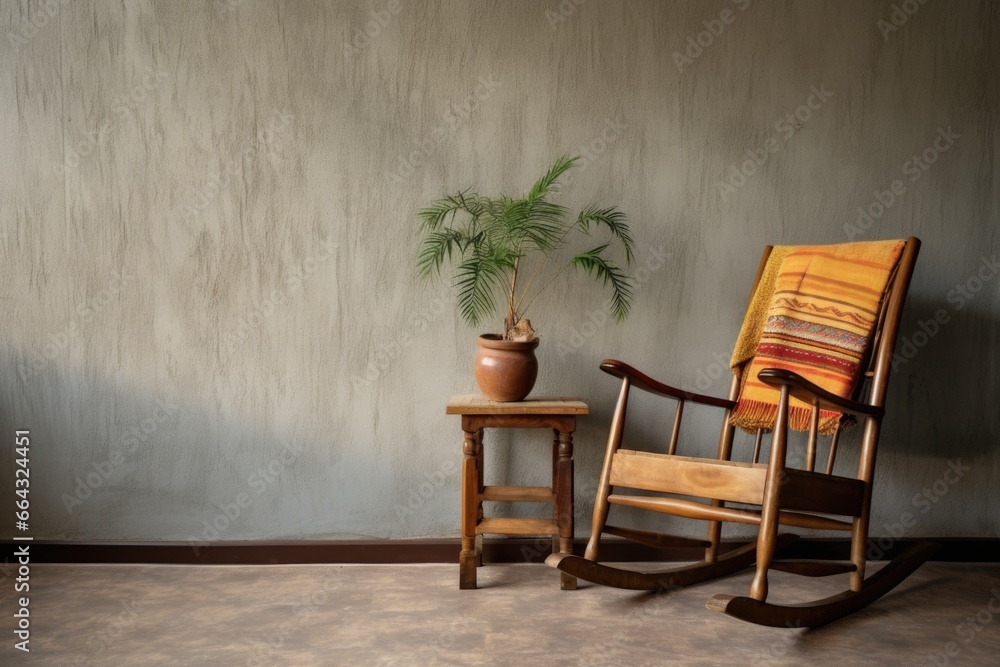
(732, 481)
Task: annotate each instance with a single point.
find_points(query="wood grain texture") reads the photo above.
(474, 404)
(535, 494)
(734, 481)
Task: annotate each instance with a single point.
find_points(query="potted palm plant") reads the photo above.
(502, 249)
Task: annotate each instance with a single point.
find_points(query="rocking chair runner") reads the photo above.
(776, 493)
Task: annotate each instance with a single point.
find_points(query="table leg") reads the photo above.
(470, 511)
(481, 476)
(555, 486)
(564, 502)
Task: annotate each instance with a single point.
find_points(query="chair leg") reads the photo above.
(859, 544)
(601, 505)
(766, 536)
(765, 554)
(771, 505)
(725, 454)
(714, 536)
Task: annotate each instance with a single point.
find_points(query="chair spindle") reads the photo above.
(813, 433)
(677, 428)
(833, 450)
(756, 445)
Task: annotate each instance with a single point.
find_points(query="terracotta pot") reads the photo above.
(505, 370)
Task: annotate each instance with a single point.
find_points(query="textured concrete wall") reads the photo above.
(208, 232)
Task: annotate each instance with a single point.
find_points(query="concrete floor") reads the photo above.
(415, 615)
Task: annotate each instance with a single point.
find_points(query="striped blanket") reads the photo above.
(813, 313)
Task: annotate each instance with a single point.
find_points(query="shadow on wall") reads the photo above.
(937, 423)
(112, 461)
(942, 366)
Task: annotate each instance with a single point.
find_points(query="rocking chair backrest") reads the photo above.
(877, 362)
(734, 387)
(885, 343)
(887, 322)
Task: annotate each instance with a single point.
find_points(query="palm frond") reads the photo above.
(487, 239)
(477, 279)
(538, 225)
(614, 220)
(434, 216)
(494, 208)
(437, 246)
(542, 185)
(611, 276)
(493, 224)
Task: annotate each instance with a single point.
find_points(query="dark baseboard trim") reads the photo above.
(515, 550)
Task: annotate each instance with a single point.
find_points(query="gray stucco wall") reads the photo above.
(208, 234)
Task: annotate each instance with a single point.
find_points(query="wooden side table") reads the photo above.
(478, 413)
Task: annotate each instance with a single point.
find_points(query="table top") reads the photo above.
(474, 404)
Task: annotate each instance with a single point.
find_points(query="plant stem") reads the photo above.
(509, 322)
(543, 288)
(538, 268)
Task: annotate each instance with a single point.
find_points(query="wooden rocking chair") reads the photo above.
(770, 494)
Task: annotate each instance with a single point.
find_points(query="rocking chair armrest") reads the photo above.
(642, 381)
(807, 392)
